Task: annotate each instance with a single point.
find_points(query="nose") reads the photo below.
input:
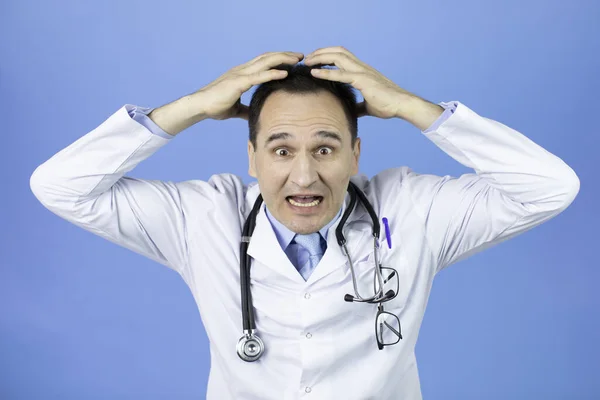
(304, 171)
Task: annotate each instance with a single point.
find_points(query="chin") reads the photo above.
(306, 231)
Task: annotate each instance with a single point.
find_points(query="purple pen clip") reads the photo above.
(387, 232)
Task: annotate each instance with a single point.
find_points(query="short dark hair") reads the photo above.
(300, 80)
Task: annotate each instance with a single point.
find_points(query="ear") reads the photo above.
(251, 160)
(355, 156)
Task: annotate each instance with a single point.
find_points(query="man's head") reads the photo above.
(303, 141)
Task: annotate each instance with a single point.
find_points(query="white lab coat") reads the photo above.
(194, 227)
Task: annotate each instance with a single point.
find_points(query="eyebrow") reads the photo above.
(285, 135)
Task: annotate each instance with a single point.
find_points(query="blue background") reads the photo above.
(81, 318)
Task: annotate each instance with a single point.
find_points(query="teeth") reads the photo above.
(311, 204)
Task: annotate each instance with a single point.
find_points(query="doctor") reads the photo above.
(315, 247)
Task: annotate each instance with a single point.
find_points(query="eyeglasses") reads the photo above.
(387, 328)
(386, 284)
(387, 325)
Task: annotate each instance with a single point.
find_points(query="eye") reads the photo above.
(323, 151)
(281, 152)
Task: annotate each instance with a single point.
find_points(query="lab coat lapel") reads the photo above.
(358, 241)
(266, 250)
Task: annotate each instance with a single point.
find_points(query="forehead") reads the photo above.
(283, 111)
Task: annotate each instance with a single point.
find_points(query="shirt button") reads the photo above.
(308, 335)
(307, 389)
(307, 295)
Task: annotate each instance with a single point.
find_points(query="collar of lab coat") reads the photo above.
(264, 246)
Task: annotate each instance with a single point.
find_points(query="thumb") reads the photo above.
(240, 110)
(243, 112)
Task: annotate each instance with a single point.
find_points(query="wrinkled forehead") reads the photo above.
(299, 113)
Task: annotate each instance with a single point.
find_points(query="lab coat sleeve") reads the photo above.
(140, 115)
(516, 186)
(85, 184)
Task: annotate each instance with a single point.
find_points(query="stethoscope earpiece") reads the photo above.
(388, 295)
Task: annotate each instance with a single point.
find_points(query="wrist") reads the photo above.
(179, 114)
(419, 112)
(193, 107)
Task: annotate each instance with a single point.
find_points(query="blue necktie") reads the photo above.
(312, 244)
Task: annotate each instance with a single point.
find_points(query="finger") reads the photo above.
(243, 112)
(239, 110)
(335, 75)
(271, 54)
(273, 60)
(265, 76)
(334, 49)
(340, 60)
(288, 56)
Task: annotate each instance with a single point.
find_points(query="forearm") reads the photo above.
(419, 112)
(179, 114)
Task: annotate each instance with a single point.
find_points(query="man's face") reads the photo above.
(303, 148)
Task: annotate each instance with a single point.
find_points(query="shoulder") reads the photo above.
(385, 183)
(224, 188)
(400, 185)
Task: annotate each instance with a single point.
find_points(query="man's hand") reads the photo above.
(383, 98)
(221, 99)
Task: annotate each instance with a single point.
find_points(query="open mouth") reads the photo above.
(304, 201)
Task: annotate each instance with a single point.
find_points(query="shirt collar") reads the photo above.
(285, 236)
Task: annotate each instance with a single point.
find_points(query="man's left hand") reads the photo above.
(382, 97)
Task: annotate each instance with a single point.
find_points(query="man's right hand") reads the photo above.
(221, 99)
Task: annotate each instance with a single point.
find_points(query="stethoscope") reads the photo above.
(250, 347)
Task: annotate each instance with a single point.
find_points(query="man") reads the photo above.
(303, 151)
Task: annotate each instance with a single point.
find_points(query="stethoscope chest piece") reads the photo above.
(250, 347)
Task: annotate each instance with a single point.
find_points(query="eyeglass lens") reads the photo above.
(390, 281)
(388, 328)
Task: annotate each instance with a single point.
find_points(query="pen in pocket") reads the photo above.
(387, 232)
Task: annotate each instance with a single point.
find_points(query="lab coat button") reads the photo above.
(308, 335)
(307, 295)
(307, 389)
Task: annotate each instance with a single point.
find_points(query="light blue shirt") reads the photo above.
(296, 253)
